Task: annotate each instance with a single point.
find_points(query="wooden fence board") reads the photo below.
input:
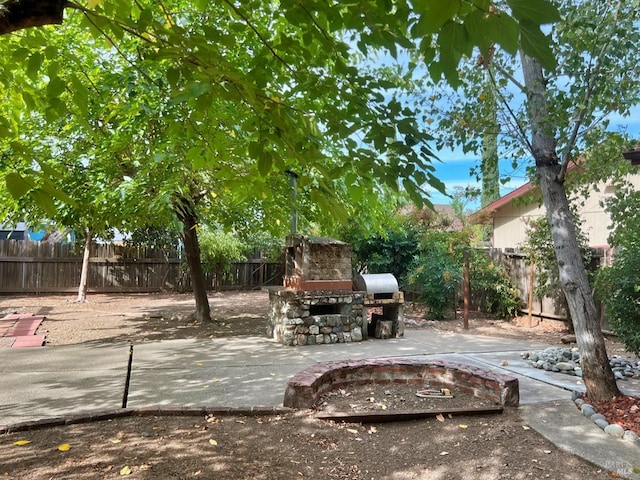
(41, 267)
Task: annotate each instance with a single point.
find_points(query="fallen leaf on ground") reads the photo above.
(213, 442)
(439, 417)
(462, 425)
(525, 427)
(125, 470)
(64, 447)
(115, 440)
(352, 430)
(20, 443)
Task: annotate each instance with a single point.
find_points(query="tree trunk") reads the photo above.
(489, 167)
(84, 273)
(186, 214)
(596, 372)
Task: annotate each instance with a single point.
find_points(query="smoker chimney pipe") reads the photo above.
(293, 185)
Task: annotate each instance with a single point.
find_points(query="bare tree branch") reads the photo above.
(577, 124)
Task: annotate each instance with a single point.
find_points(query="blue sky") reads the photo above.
(454, 167)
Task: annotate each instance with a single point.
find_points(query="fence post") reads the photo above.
(531, 270)
(466, 291)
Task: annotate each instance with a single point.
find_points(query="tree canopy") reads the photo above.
(240, 93)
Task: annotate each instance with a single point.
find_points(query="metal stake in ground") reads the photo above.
(128, 379)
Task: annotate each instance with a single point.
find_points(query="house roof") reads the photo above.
(521, 192)
(508, 198)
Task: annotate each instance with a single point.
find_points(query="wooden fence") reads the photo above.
(41, 267)
(524, 276)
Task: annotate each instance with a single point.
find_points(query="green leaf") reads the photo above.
(255, 149)
(45, 202)
(535, 11)
(17, 185)
(55, 87)
(33, 65)
(52, 191)
(413, 192)
(505, 32)
(479, 29)
(265, 161)
(535, 44)
(20, 54)
(453, 37)
(173, 76)
(436, 14)
(48, 170)
(28, 100)
(196, 156)
(198, 88)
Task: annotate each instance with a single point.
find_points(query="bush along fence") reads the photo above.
(524, 277)
(42, 267)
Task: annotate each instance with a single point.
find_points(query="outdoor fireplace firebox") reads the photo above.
(384, 300)
(320, 302)
(317, 303)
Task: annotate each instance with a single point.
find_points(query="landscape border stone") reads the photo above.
(614, 430)
(305, 387)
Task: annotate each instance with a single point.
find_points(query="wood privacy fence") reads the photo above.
(524, 277)
(42, 267)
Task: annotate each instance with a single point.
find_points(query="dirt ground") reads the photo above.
(295, 445)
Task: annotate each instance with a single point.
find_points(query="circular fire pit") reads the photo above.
(305, 388)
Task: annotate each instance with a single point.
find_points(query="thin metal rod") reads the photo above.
(128, 380)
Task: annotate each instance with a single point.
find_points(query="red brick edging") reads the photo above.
(305, 388)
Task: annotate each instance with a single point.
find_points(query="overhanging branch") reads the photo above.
(21, 14)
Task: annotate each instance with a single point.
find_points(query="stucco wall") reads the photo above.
(509, 221)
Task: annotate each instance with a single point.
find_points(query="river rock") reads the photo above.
(588, 410)
(630, 436)
(566, 366)
(601, 423)
(614, 430)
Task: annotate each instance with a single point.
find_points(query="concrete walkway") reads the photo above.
(253, 371)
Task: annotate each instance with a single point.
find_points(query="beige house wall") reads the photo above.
(510, 220)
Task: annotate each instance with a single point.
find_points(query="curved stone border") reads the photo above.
(166, 411)
(305, 387)
(613, 429)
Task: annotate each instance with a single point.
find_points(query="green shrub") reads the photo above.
(435, 276)
(492, 287)
(618, 286)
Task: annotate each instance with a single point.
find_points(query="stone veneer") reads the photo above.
(305, 387)
(315, 317)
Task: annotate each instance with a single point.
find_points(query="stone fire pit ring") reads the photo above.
(305, 387)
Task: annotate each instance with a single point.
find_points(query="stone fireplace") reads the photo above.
(317, 304)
